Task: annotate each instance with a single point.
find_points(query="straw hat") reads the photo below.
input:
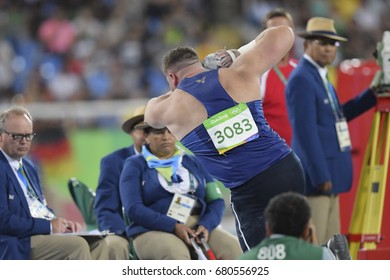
(146, 127)
(321, 27)
(138, 117)
(142, 125)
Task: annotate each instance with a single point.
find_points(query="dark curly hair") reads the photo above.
(288, 213)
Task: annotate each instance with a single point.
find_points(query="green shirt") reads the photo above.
(282, 247)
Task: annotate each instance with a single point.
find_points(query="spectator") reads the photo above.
(57, 33)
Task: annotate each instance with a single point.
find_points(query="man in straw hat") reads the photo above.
(108, 205)
(320, 131)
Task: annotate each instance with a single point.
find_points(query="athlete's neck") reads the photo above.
(190, 71)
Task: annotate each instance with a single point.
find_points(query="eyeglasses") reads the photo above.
(19, 137)
(324, 43)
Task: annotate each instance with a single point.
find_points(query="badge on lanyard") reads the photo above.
(181, 206)
(343, 135)
(39, 210)
(231, 128)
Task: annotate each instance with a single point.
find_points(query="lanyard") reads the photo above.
(23, 177)
(332, 99)
(280, 75)
(192, 188)
(192, 184)
(38, 208)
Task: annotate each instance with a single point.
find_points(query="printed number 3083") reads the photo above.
(236, 129)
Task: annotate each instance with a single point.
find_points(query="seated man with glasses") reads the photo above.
(19, 137)
(28, 227)
(320, 130)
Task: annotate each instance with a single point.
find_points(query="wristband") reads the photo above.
(232, 54)
(246, 47)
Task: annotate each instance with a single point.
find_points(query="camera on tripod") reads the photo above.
(382, 78)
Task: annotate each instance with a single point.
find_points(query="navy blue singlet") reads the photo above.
(236, 166)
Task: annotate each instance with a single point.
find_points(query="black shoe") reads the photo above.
(338, 245)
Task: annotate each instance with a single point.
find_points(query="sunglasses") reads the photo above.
(323, 42)
(19, 136)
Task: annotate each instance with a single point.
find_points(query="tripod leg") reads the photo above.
(373, 221)
(368, 209)
(359, 209)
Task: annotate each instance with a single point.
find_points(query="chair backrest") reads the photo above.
(84, 198)
(132, 253)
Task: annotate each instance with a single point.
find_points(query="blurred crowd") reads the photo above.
(111, 49)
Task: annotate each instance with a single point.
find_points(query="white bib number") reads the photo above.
(231, 128)
(272, 252)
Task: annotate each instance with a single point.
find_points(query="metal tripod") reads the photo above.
(366, 222)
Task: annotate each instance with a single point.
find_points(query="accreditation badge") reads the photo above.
(231, 128)
(39, 210)
(181, 206)
(343, 135)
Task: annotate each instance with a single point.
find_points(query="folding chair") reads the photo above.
(132, 253)
(84, 198)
